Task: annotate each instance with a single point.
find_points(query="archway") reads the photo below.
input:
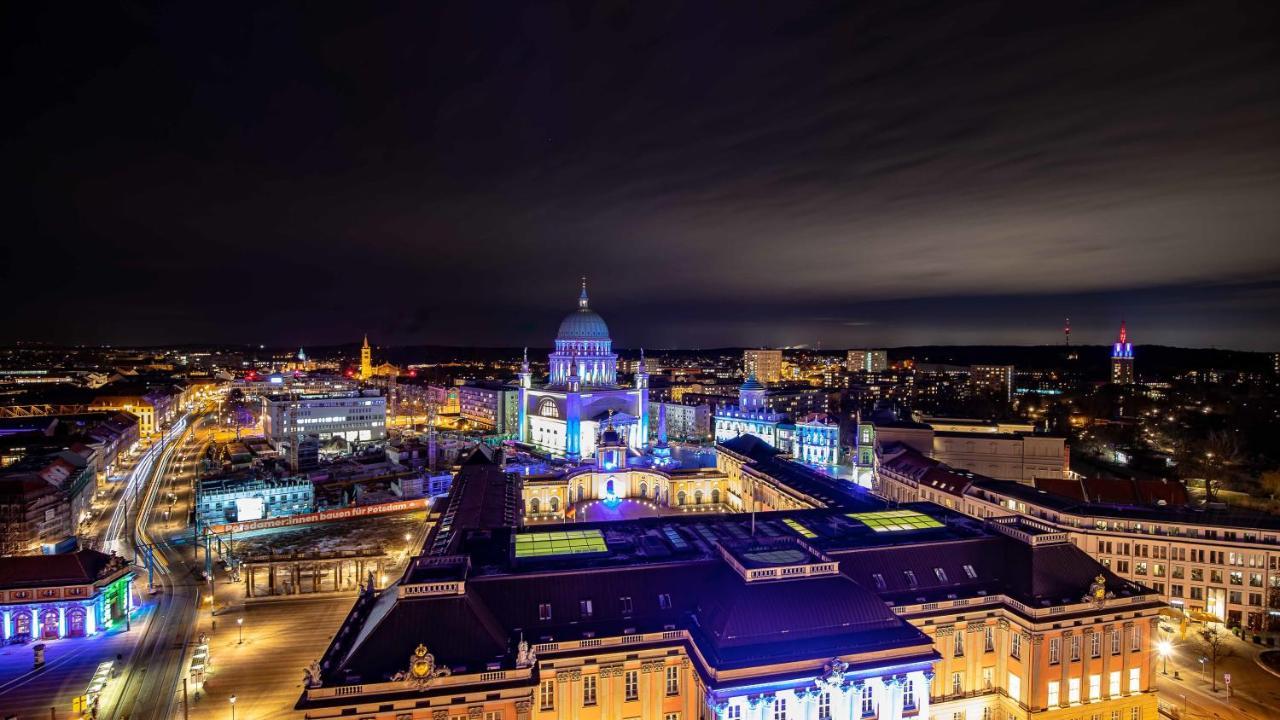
(533, 506)
(582, 493)
(715, 496)
(697, 497)
(644, 489)
(554, 504)
(680, 498)
(608, 487)
(75, 622)
(49, 625)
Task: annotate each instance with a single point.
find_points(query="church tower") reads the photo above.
(366, 360)
(1122, 358)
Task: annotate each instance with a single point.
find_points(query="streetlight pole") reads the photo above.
(233, 707)
(240, 623)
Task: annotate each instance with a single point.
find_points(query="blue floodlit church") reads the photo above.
(813, 440)
(565, 415)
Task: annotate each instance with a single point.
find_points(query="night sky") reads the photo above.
(886, 174)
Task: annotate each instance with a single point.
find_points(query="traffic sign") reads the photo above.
(1226, 678)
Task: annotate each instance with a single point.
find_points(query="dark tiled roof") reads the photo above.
(82, 566)
(825, 489)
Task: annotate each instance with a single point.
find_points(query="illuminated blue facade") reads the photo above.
(565, 416)
(813, 441)
(1122, 358)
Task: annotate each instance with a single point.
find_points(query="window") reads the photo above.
(1014, 687)
(1135, 680)
(908, 695)
(1054, 698)
(631, 680)
(493, 715)
(988, 639)
(664, 601)
(1075, 648)
(940, 574)
(1055, 650)
(868, 701)
(547, 695)
(879, 580)
(910, 577)
(1095, 687)
(970, 572)
(673, 680)
(584, 606)
(1095, 644)
(1115, 642)
(986, 713)
(1135, 639)
(588, 689)
(671, 716)
(824, 706)
(1113, 687)
(1015, 645)
(1135, 713)
(957, 683)
(779, 708)
(1073, 691)
(988, 677)
(734, 712)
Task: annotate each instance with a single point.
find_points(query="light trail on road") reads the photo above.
(136, 480)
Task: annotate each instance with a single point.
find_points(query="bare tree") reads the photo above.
(1221, 451)
(1270, 482)
(1215, 645)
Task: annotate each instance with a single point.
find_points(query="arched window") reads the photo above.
(582, 493)
(680, 498)
(715, 497)
(75, 622)
(697, 497)
(644, 489)
(608, 487)
(554, 504)
(533, 506)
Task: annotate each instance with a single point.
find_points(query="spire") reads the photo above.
(366, 340)
(524, 365)
(582, 298)
(641, 367)
(1124, 333)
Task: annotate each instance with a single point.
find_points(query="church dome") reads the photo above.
(583, 323)
(751, 383)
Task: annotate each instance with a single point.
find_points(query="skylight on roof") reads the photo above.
(805, 532)
(895, 520)
(567, 542)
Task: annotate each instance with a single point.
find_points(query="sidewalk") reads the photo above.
(1253, 694)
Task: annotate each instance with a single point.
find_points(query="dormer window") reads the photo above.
(941, 574)
(584, 606)
(910, 577)
(625, 602)
(970, 572)
(664, 601)
(544, 611)
(879, 581)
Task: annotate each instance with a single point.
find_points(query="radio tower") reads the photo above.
(1066, 331)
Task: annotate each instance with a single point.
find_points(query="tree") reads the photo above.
(1215, 645)
(1270, 482)
(1221, 450)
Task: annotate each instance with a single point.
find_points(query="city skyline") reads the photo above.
(804, 176)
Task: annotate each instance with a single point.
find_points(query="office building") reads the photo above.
(355, 416)
(245, 497)
(997, 450)
(763, 365)
(867, 361)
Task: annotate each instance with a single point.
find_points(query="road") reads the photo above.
(152, 675)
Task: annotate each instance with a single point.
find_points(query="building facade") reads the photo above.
(867, 361)
(684, 422)
(764, 365)
(794, 615)
(355, 416)
(1122, 358)
(490, 406)
(997, 379)
(565, 415)
(58, 596)
(240, 499)
(814, 440)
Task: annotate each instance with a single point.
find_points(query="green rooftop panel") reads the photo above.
(568, 542)
(895, 520)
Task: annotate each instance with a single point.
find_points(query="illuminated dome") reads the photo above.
(583, 323)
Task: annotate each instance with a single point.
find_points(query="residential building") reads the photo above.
(813, 439)
(684, 422)
(355, 416)
(763, 365)
(33, 512)
(867, 361)
(997, 379)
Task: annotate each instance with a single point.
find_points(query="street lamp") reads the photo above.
(233, 707)
(240, 623)
(1165, 648)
